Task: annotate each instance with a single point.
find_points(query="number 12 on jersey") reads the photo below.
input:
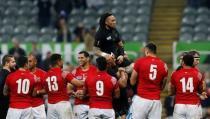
(189, 85)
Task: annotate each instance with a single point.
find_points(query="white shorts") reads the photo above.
(39, 112)
(96, 113)
(14, 113)
(81, 111)
(60, 110)
(186, 111)
(142, 108)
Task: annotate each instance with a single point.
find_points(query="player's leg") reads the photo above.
(13, 113)
(179, 111)
(155, 110)
(81, 111)
(139, 108)
(39, 112)
(64, 110)
(194, 112)
(27, 113)
(51, 111)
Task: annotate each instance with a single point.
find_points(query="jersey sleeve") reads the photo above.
(69, 77)
(173, 79)
(165, 70)
(114, 82)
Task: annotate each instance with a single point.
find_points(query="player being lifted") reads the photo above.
(150, 72)
(185, 84)
(55, 84)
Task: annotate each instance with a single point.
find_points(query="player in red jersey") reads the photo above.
(185, 84)
(150, 72)
(196, 56)
(81, 106)
(38, 108)
(55, 84)
(19, 86)
(101, 87)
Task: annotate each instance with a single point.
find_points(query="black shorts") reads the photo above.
(121, 104)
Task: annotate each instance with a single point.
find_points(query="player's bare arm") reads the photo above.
(77, 82)
(171, 89)
(133, 78)
(203, 94)
(98, 52)
(38, 92)
(163, 83)
(6, 90)
(116, 93)
(70, 88)
(123, 77)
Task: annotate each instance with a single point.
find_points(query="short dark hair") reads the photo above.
(101, 63)
(193, 52)
(54, 58)
(86, 54)
(6, 59)
(152, 47)
(22, 61)
(183, 54)
(188, 60)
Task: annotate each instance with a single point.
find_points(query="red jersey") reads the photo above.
(40, 75)
(55, 84)
(20, 84)
(151, 72)
(100, 87)
(187, 83)
(82, 75)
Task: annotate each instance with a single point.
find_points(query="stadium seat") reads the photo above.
(201, 28)
(188, 20)
(186, 37)
(203, 10)
(203, 18)
(186, 29)
(189, 11)
(199, 36)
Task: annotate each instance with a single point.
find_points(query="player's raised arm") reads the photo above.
(123, 77)
(6, 90)
(70, 78)
(133, 78)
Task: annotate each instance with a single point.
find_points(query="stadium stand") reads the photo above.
(195, 24)
(20, 19)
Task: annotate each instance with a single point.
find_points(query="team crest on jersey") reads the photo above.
(109, 38)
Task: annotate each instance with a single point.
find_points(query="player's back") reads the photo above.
(187, 83)
(151, 72)
(20, 85)
(55, 85)
(100, 88)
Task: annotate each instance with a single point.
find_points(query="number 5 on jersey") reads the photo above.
(153, 72)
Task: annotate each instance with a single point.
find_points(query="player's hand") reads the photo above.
(203, 96)
(120, 59)
(121, 69)
(34, 93)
